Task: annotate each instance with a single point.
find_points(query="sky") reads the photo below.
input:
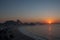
(29, 10)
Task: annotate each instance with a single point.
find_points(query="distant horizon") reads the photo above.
(2, 20)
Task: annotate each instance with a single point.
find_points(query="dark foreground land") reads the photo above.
(9, 31)
(13, 34)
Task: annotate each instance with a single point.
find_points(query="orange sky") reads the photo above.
(45, 20)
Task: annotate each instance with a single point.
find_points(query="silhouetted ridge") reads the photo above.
(19, 22)
(11, 22)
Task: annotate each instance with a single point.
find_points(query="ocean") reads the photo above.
(42, 32)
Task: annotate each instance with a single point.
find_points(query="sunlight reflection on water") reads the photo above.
(51, 32)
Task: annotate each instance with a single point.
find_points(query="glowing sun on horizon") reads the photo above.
(49, 21)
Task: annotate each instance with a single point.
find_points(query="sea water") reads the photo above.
(43, 32)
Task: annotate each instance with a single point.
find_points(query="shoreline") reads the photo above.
(33, 36)
(20, 36)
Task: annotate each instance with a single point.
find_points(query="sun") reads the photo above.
(49, 22)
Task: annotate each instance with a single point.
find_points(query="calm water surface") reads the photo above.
(43, 32)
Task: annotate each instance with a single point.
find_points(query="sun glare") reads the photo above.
(49, 21)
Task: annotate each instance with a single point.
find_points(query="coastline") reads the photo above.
(21, 36)
(32, 35)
